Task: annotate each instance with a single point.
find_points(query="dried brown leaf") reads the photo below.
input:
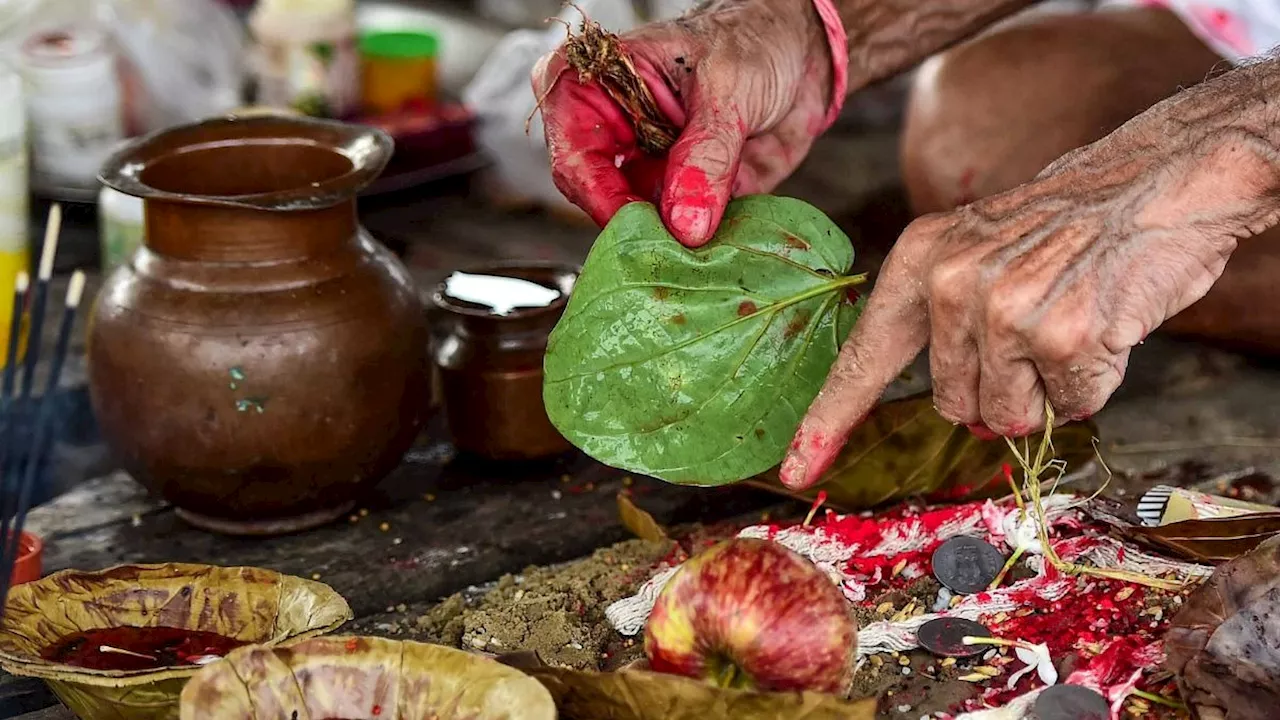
(1210, 540)
(906, 450)
(1224, 645)
(343, 677)
(640, 523)
(643, 695)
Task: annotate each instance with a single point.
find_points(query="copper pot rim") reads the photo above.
(369, 149)
(441, 301)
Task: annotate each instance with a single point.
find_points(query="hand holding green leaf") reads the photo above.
(695, 366)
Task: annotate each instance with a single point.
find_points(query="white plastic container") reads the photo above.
(120, 227)
(305, 55)
(14, 212)
(74, 107)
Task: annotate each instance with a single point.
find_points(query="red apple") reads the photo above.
(752, 614)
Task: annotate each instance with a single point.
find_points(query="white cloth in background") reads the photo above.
(501, 97)
(1235, 29)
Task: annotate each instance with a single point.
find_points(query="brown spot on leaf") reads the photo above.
(797, 324)
(678, 319)
(760, 433)
(661, 293)
(794, 241)
(745, 308)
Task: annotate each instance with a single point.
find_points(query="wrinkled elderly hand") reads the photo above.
(746, 80)
(1041, 292)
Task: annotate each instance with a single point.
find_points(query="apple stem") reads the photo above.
(727, 677)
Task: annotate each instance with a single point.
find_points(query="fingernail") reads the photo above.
(792, 473)
(982, 432)
(1017, 430)
(691, 224)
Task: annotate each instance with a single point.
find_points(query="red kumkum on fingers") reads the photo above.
(590, 139)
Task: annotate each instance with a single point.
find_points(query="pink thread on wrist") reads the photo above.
(838, 40)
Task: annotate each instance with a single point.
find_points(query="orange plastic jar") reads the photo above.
(398, 69)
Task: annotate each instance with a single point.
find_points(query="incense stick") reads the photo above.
(7, 412)
(39, 298)
(35, 335)
(36, 458)
(20, 286)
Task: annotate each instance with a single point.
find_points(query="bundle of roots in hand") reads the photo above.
(598, 56)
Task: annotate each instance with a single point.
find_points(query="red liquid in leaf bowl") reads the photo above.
(134, 648)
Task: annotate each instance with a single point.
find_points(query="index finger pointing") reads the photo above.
(891, 332)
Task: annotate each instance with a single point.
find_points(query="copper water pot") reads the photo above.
(261, 360)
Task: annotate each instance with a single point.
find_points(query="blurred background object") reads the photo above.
(305, 55)
(13, 192)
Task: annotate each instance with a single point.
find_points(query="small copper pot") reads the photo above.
(490, 367)
(261, 360)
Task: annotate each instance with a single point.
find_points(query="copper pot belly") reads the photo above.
(261, 360)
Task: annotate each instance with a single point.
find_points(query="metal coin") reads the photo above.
(966, 564)
(945, 637)
(1071, 702)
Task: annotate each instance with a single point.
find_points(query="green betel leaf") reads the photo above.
(696, 366)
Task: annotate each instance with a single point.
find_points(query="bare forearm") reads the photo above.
(1206, 160)
(1228, 133)
(887, 37)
